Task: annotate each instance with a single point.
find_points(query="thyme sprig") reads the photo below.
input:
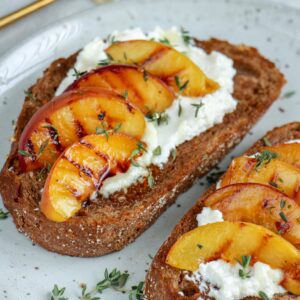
(29, 94)
(137, 151)
(158, 117)
(3, 214)
(244, 272)
(57, 293)
(264, 158)
(181, 86)
(165, 41)
(263, 295)
(137, 291)
(186, 36)
(157, 151)
(105, 131)
(78, 74)
(197, 106)
(104, 62)
(115, 279)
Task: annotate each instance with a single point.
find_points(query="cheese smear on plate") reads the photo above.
(179, 128)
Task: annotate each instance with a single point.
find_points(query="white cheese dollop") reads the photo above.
(225, 283)
(179, 128)
(208, 216)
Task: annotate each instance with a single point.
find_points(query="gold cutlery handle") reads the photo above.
(23, 12)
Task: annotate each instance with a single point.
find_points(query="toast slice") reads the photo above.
(164, 282)
(107, 225)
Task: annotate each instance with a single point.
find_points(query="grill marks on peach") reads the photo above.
(149, 95)
(259, 204)
(164, 62)
(72, 116)
(80, 171)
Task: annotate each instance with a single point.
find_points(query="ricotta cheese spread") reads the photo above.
(208, 216)
(179, 128)
(221, 280)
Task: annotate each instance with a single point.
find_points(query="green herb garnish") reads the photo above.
(125, 95)
(244, 273)
(115, 279)
(173, 153)
(283, 216)
(78, 74)
(181, 86)
(150, 180)
(145, 75)
(264, 158)
(197, 106)
(158, 117)
(165, 41)
(137, 291)
(288, 94)
(24, 153)
(57, 293)
(185, 36)
(138, 150)
(263, 295)
(3, 215)
(157, 151)
(104, 62)
(266, 141)
(28, 94)
(179, 109)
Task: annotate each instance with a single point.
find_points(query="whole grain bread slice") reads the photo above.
(107, 225)
(164, 282)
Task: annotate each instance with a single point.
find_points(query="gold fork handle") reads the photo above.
(23, 12)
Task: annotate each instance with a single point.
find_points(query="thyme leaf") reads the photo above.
(266, 141)
(263, 295)
(181, 86)
(264, 158)
(115, 279)
(158, 117)
(157, 151)
(3, 214)
(137, 291)
(197, 106)
(57, 293)
(244, 272)
(78, 74)
(165, 41)
(186, 36)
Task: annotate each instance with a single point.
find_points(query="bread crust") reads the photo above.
(107, 225)
(162, 281)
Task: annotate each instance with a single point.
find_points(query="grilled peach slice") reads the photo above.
(230, 241)
(289, 153)
(165, 62)
(80, 170)
(69, 117)
(276, 173)
(147, 92)
(259, 204)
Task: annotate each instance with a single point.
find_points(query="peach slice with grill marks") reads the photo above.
(149, 93)
(72, 115)
(230, 241)
(259, 204)
(80, 171)
(175, 68)
(274, 172)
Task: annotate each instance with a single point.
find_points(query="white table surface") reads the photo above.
(14, 33)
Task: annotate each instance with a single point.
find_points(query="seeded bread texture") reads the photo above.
(164, 282)
(106, 225)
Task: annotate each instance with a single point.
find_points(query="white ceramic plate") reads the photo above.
(29, 272)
